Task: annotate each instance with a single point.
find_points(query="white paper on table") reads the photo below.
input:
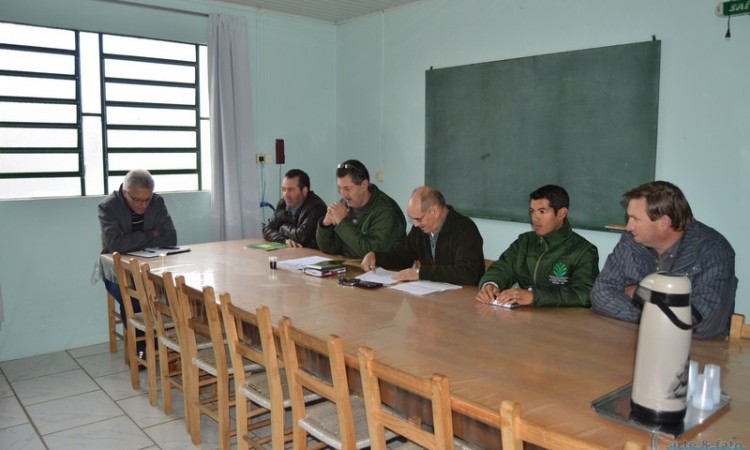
(423, 287)
(300, 263)
(379, 275)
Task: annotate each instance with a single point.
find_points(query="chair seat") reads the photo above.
(171, 342)
(139, 324)
(257, 390)
(206, 361)
(322, 422)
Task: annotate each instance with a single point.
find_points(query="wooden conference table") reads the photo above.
(553, 361)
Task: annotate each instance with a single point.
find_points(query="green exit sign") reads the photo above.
(734, 8)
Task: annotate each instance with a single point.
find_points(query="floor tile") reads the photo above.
(146, 415)
(102, 364)
(53, 387)
(117, 385)
(11, 413)
(119, 433)
(5, 390)
(37, 366)
(95, 349)
(21, 437)
(173, 435)
(70, 412)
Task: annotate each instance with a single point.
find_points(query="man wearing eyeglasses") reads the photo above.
(133, 218)
(365, 219)
(549, 266)
(447, 245)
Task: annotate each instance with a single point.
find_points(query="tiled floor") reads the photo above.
(82, 399)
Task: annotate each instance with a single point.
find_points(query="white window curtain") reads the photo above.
(236, 210)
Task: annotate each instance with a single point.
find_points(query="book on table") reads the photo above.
(153, 252)
(325, 268)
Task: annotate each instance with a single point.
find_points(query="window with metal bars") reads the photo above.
(80, 109)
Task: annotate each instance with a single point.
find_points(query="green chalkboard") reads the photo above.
(585, 120)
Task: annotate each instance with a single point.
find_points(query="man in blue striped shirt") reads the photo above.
(663, 236)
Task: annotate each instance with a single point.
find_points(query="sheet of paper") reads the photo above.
(424, 287)
(380, 275)
(300, 263)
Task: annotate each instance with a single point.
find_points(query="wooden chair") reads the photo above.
(380, 418)
(130, 279)
(516, 431)
(114, 319)
(250, 338)
(340, 421)
(210, 366)
(739, 329)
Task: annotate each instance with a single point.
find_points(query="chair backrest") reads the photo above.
(516, 431)
(739, 329)
(159, 289)
(297, 346)
(200, 315)
(435, 389)
(130, 278)
(250, 337)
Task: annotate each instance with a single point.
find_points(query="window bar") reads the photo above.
(79, 114)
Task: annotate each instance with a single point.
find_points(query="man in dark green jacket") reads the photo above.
(447, 244)
(552, 265)
(365, 219)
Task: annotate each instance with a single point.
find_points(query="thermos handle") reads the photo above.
(697, 317)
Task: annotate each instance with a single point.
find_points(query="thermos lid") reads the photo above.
(672, 289)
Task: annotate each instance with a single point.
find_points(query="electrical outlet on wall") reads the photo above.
(379, 175)
(261, 158)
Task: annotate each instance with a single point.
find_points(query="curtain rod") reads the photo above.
(158, 8)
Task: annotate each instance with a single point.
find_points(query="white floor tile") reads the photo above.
(118, 386)
(119, 433)
(92, 350)
(37, 366)
(53, 387)
(146, 415)
(5, 390)
(173, 435)
(21, 437)
(103, 364)
(11, 413)
(70, 412)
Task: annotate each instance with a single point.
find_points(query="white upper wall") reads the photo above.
(704, 108)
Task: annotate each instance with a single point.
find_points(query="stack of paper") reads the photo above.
(423, 287)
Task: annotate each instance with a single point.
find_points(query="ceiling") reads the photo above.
(332, 11)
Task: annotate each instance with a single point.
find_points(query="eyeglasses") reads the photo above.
(139, 201)
(347, 166)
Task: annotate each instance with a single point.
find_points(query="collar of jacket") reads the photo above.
(558, 236)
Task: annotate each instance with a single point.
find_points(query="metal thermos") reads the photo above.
(660, 377)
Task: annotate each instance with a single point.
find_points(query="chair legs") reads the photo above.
(114, 318)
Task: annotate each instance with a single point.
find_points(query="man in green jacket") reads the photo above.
(447, 244)
(365, 219)
(552, 265)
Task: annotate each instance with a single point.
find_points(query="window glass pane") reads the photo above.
(149, 71)
(90, 88)
(152, 161)
(13, 163)
(150, 116)
(37, 88)
(163, 183)
(149, 139)
(93, 155)
(204, 81)
(123, 45)
(37, 62)
(11, 33)
(150, 94)
(206, 155)
(39, 187)
(37, 112)
(38, 138)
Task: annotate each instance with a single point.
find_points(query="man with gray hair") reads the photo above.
(133, 218)
(447, 244)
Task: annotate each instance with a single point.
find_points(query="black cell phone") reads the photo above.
(343, 281)
(368, 284)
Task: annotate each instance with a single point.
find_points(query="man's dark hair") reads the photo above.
(429, 197)
(664, 199)
(302, 178)
(354, 169)
(557, 196)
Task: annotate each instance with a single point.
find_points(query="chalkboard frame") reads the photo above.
(586, 120)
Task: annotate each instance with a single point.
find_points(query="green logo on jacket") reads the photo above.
(559, 275)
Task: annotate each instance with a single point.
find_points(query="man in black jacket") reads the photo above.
(297, 213)
(447, 244)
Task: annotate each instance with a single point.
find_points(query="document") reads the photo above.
(423, 287)
(153, 252)
(379, 276)
(300, 263)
